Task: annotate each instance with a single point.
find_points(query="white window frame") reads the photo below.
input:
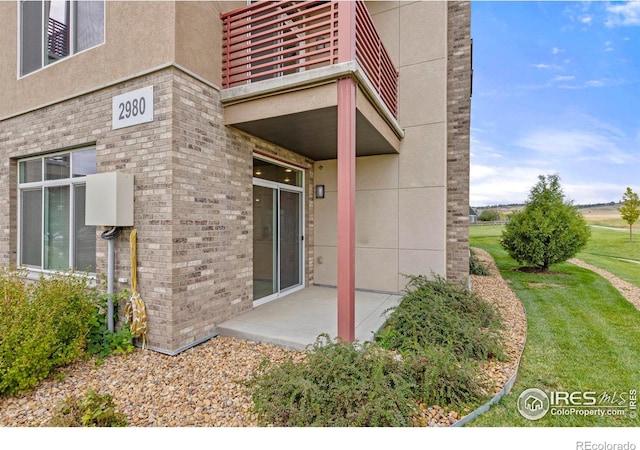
(72, 40)
(72, 182)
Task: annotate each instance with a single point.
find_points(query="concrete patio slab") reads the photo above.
(296, 320)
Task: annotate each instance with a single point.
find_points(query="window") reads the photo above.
(51, 194)
(53, 30)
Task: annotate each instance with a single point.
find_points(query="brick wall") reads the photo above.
(458, 138)
(212, 209)
(192, 200)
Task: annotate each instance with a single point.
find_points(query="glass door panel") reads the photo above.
(265, 280)
(290, 238)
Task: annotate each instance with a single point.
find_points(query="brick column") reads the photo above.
(458, 138)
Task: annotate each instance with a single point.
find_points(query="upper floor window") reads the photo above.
(53, 30)
(52, 234)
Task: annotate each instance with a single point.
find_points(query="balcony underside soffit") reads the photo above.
(306, 122)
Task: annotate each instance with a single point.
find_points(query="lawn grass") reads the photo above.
(605, 247)
(582, 335)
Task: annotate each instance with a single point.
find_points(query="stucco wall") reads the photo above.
(401, 200)
(138, 37)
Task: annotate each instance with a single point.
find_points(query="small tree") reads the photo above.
(630, 209)
(489, 215)
(549, 230)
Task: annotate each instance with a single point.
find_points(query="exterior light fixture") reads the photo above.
(319, 190)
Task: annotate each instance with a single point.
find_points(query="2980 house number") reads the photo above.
(132, 108)
(135, 107)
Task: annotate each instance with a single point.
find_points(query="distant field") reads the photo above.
(607, 216)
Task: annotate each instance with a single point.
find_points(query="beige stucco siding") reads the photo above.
(138, 37)
(401, 200)
(198, 37)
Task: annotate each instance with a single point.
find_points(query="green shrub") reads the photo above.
(427, 354)
(337, 384)
(548, 230)
(441, 379)
(476, 267)
(489, 215)
(92, 410)
(100, 341)
(437, 313)
(47, 324)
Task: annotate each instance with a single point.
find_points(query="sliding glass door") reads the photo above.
(277, 238)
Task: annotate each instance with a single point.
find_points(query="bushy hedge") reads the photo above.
(427, 354)
(434, 313)
(45, 324)
(338, 384)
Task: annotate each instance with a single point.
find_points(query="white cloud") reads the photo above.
(625, 14)
(480, 172)
(556, 50)
(578, 146)
(595, 162)
(591, 193)
(543, 66)
(605, 82)
(586, 20)
(502, 185)
(594, 83)
(563, 78)
(509, 185)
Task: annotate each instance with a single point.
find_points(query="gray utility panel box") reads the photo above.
(109, 200)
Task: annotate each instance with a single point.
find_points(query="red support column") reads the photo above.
(346, 208)
(346, 175)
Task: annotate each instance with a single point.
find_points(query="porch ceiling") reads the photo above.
(313, 133)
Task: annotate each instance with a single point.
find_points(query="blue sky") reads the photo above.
(556, 90)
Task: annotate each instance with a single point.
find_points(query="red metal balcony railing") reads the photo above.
(270, 39)
(374, 59)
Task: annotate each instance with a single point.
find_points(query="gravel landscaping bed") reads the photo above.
(205, 386)
(202, 386)
(629, 291)
(494, 289)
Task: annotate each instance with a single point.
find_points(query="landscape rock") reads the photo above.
(205, 386)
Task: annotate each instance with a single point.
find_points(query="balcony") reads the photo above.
(281, 62)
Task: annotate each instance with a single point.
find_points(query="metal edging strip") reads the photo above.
(496, 398)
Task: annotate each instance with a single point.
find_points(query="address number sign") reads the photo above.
(132, 108)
